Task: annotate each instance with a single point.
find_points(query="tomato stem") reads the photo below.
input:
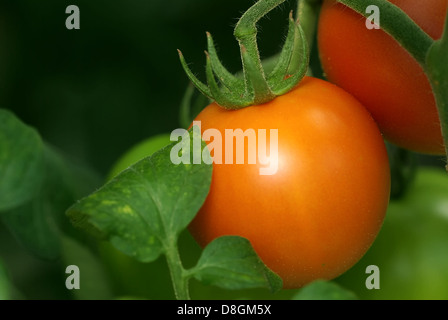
(256, 87)
(437, 70)
(307, 14)
(179, 276)
(246, 34)
(185, 107)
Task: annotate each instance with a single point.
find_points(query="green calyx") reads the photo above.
(255, 87)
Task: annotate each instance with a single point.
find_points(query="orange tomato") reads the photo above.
(322, 209)
(384, 77)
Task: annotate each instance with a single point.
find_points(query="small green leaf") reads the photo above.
(146, 206)
(21, 161)
(5, 290)
(230, 262)
(324, 290)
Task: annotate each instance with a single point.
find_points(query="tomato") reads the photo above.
(322, 209)
(411, 248)
(374, 68)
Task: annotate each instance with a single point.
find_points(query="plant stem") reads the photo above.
(185, 107)
(177, 271)
(437, 71)
(307, 14)
(440, 89)
(246, 34)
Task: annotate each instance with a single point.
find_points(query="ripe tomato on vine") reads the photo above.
(381, 74)
(321, 210)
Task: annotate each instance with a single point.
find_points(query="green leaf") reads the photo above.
(230, 262)
(145, 207)
(31, 223)
(139, 151)
(5, 289)
(66, 181)
(324, 290)
(21, 161)
(32, 228)
(38, 223)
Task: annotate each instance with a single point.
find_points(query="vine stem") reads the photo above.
(257, 87)
(307, 14)
(246, 34)
(179, 276)
(437, 71)
(185, 106)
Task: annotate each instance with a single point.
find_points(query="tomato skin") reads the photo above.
(374, 68)
(322, 209)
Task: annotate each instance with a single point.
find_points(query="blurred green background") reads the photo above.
(95, 92)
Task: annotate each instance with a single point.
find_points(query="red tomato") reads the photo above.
(322, 209)
(374, 68)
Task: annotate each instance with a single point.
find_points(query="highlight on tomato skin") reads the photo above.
(375, 69)
(322, 209)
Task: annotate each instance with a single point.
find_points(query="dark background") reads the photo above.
(96, 91)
